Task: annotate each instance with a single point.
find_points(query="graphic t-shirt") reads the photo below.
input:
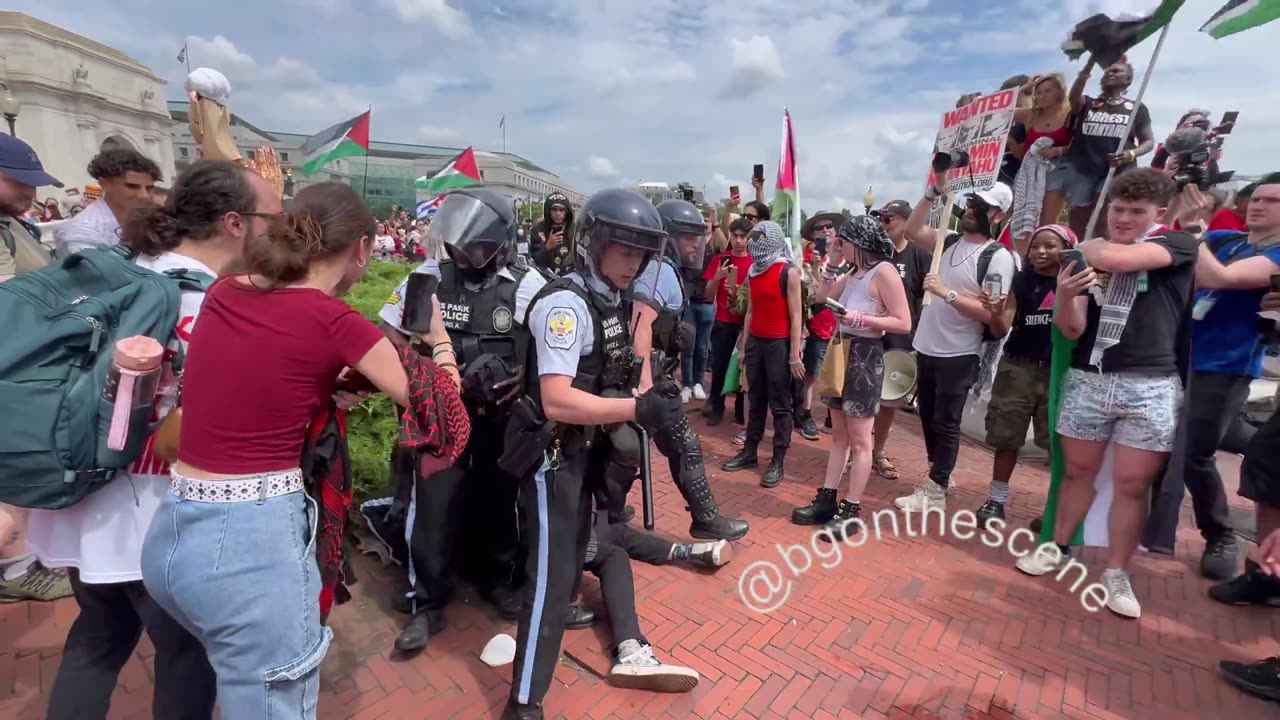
(1099, 127)
(1149, 343)
(741, 263)
(1228, 338)
(1031, 337)
(913, 265)
(102, 534)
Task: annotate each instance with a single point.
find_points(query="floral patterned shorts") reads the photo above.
(1136, 411)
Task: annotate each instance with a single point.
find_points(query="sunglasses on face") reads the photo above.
(751, 217)
(823, 226)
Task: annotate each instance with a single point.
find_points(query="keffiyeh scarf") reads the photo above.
(1118, 292)
(1028, 190)
(768, 247)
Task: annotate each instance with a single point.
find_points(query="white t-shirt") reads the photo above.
(944, 331)
(97, 225)
(102, 535)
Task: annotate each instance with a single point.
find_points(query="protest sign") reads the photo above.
(981, 129)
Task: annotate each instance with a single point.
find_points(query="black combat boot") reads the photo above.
(844, 524)
(522, 712)
(580, 617)
(746, 458)
(773, 476)
(818, 512)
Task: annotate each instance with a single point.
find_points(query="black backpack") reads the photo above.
(984, 262)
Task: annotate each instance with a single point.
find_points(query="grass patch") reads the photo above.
(372, 426)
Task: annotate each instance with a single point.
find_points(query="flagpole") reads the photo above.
(1128, 129)
(364, 186)
(186, 55)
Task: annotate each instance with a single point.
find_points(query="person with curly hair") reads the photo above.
(127, 178)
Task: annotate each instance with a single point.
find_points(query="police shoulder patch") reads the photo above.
(562, 328)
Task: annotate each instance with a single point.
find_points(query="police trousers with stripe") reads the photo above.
(555, 523)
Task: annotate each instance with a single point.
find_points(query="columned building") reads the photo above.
(78, 97)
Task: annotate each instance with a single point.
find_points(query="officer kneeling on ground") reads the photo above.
(484, 291)
(660, 297)
(556, 439)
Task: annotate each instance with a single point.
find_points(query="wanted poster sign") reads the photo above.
(981, 129)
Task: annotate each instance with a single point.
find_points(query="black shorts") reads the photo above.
(815, 351)
(1260, 473)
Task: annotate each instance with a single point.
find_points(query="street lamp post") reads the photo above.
(869, 200)
(9, 107)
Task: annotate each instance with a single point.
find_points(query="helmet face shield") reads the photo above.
(690, 247)
(469, 230)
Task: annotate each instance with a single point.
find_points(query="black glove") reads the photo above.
(509, 389)
(659, 408)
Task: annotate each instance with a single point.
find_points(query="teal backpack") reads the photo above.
(61, 324)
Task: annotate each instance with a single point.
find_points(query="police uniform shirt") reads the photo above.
(562, 330)
(392, 312)
(659, 285)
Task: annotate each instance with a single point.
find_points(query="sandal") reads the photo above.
(885, 467)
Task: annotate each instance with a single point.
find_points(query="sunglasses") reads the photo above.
(751, 217)
(823, 226)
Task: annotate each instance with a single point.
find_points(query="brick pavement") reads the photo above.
(923, 627)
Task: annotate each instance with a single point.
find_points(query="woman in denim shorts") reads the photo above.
(230, 553)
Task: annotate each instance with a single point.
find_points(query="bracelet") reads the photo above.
(796, 362)
(447, 365)
(437, 353)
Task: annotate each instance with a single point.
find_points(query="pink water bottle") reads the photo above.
(132, 382)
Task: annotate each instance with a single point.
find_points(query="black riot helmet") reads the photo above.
(686, 233)
(614, 216)
(477, 228)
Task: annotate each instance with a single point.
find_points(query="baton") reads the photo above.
(646, 479)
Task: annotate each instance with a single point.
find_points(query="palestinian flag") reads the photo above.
(460, 172)
(785, 209)
(1107, 40)
(346, 139)
(1240, 15)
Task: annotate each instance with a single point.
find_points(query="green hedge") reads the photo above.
(372, 425)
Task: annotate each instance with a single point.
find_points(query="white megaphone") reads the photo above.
(899, 375)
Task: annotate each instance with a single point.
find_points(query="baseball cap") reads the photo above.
(901, 208)
(20, 162)
(998, 196)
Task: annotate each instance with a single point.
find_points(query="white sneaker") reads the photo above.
(1121, 600)
(927, 495)
(699, 393)
(1042, 562)
(638, 669)
(685, 395)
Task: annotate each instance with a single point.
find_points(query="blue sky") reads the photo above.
(608, 92)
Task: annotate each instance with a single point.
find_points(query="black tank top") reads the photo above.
(1031, 337)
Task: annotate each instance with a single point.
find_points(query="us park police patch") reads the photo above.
(502, 319)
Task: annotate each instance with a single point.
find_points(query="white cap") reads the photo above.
(997, 196)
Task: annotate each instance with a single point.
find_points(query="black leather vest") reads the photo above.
(482, 321)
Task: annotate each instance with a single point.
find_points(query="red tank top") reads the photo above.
(1061, 137)
(769, 317)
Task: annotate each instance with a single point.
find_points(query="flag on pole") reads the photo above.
(503, 122)
(427, 208)
(1240, 15)
(460, 172)
(182, 54)
(1107, 40)
(349, 138)
(785, 209)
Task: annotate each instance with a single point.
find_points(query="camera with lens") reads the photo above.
(1191, 150)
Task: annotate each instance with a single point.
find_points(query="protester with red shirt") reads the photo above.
(772, 347)
(819, 233)
(231, 553)
(725, 272)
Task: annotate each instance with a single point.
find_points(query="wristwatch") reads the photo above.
(951, 297)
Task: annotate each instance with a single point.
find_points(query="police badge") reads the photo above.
(502, 319)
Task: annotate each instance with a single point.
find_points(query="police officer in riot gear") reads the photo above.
(661, 335)
(483, 295)
(581, 372)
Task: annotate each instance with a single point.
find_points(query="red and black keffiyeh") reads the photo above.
(435, 424)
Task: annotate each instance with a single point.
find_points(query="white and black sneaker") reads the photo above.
(638, 669)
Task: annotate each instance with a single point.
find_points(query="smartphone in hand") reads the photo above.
(757, 172)
(1074, 255)
(418, 293)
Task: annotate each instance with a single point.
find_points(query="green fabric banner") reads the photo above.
(1062, 350)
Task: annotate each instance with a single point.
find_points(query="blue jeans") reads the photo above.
(242, 578)
(693, 365)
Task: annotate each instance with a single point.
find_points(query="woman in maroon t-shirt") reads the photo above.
(231, 551)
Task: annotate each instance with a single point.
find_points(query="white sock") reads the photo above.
(999, 492)
(18, 567)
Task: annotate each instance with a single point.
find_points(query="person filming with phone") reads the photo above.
(550, 247)
(1234, 271)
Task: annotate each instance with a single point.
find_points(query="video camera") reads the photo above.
(1192, 150)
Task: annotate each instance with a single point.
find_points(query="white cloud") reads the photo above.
(755, 64)
(438, 14)
(601, 168)
(675, 91)
(435, 134)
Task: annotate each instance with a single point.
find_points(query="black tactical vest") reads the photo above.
(482, 321)
(666, 327)
(609, 365)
